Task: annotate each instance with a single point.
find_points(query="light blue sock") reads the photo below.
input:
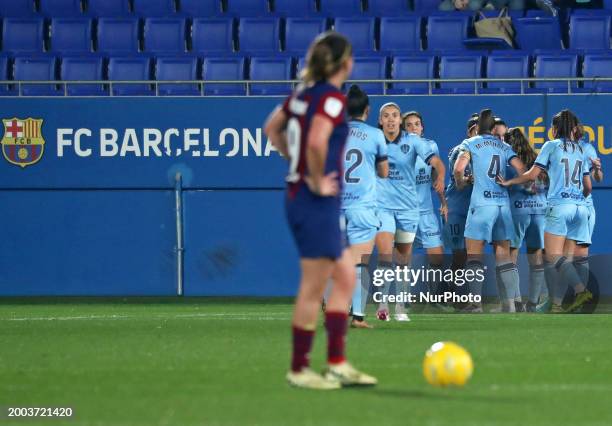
(509, 277)
(536, 282)
(357, 302)
(384, 289)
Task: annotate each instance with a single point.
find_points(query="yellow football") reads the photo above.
(447, 364)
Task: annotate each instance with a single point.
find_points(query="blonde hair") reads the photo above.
(326, 55)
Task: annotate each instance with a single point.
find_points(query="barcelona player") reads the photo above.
(310, 130)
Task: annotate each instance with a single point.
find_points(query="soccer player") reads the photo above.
(365, 158)
(500, 129)
(397, 197)
(310, 130)
(567, 216)
(489, 218)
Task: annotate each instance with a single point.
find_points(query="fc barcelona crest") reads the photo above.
(22, 143)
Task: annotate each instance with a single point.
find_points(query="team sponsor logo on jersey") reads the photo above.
(22, 143)
(487, 194)
(518, 204)
(405, 148)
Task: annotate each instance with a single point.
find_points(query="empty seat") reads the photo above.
(360, 31)
(589, 32)
(299, 33)
(244, 8)
(212, 36)
(108, 8)
(333, 8)
(411, 68)
(513, 66)
(36, 69)
(295, 8)
(400, 35)
(60, 8)
(22, 35)
(459, 67)
(200, 8)
(118, 35)
(6, 89)
(16, 8)
(446, 32)
(425, 7)
(130, 69)
(164, 35)
(597, 66)
(223, 69)
(388, 7)
(270, 69)
(551, 66)
(370, 68)
(259, 35)
(153, 7)
(83, 69)
(71, 35)
(538, 33)
(177, 68)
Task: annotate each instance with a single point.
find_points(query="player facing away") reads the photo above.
(428, 235)
(567, 216)
(528, 205)
(397, 198)
(310, 130)
(489, 218)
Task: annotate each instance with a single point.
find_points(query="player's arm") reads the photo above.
(529, 176)
(320, 131)
(439, 171)
(459, 170)
(587, 185)
(382, 167)
(596, 170)
(275, 129)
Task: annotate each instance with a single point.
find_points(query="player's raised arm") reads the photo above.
(459, 170)
(275, 129)
(440, 171)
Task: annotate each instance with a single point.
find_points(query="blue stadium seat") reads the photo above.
(506, 66)
(153, 8)
(447, 32)
(41, 68)
(212, 36)
(594, 66)
(388, 7)
(164, 35)
(259, 35)
(411, 68)
(16, 8)
(60, 8)
(177, 68)
(538, 33)
(360, 31)
(108, 8)
(223, 69)
(459, 67)
(335, 8)
(370, 68)
(299, 33)
(135, 68)
(295, 8)
(426, 7)
(22, 35)
(551, 66)
(6, 89)
(400, 35)
(200, 8)
(71, 35)
(118, 35)
(270, 69)
(513, 14)
(589, 32)
(83, 68)
(244, 8)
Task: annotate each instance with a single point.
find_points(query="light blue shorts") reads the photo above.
(489, 223)
(528, 228)
(453, 232)
(361, 225)
(404, 221)
(570, 221)
(428, 233)
(592, 217)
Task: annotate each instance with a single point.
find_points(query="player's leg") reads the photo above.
(475, 250)
(407, 223)
(384, 245)
(431, 240)
(534, 239)
(507, 273)
(578, 230)
(581, 254)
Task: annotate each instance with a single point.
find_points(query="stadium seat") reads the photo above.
(335, 8)
(164, 35)
(36, 69)
(223, 69)
(594, 66)
(295, 8)
(388, 7)
(177, 68)
(16, 8)
(108, 8)
(259, 35)
(200, 8)
(6, 89)
(538, 33)
(400, 35)
(60, 8)
(299, 33)
(270, 69)
(130, 69)
(459, 67)
(83, 68)
(245, 8)
(513, 14)
(153, 8)
(446, 32)
(71, 35)
(589, 32)
(212, 36)
(23, 35)
(360, 31)
(370, 68)
(411, 68)
(118, 35)
(426, 7)
(551, 66)
(510, 66)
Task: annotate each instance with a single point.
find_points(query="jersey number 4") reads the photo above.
(358, 155)
(494, 167)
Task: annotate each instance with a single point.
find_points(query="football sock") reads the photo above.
(400, 287)
(552, 276)
(302, 343)
(569, 275)
(475, 286)
(508, 274)
(386, 285)
(336, 325)
(435, 284)
(360, 293)
(582, 267)
(536, 282)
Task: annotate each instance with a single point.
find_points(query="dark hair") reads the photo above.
(499, 121)
(412, 114)
(486, 122)
(325, 56)
(567, 127)
(472, 121)
(356, 101)
(519, 143)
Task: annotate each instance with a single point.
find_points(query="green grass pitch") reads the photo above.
(222, 362)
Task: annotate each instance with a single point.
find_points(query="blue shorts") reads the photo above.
(530, 228)
(399, 220)
(453, 232)
(361, 225)
(428, 233)
(592, 217)
(568, 220)
(489, 223)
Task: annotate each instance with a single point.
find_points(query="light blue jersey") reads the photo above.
(589, 152)
(530, 199)
(398, 192)
(565, 163)
(364, 147)
(458, 200)
(424, 179)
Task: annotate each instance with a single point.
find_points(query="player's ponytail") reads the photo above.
(519, 143)
(356, 101)
(567, 127)
(326, 55)
(486, 122)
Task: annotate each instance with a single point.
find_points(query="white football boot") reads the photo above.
(347, 375)
(308, 379)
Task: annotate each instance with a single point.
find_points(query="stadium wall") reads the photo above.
(89, 204)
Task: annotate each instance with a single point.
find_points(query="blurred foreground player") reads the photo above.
(310, 130)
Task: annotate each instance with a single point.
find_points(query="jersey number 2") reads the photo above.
(358, 160)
